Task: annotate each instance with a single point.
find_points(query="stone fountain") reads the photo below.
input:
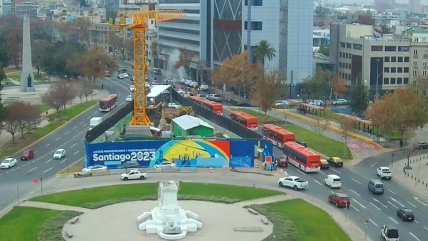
(169, 221)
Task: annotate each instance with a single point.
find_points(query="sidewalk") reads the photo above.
(6, 137)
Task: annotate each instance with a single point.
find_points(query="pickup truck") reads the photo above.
(133, 175)
(384, 173)
(389, 234)
(293, 182)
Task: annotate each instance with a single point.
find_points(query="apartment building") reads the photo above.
(382, 62)
(418, 38)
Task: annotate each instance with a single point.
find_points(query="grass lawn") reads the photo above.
(15, 225)
(310, 223)
(263, 119)
(101, 196)
(320, 143)
(58, 119)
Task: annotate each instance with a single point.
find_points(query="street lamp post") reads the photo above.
(392, 160)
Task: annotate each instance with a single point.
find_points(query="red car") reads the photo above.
(340, 200)
(27, 155)
(281, 162)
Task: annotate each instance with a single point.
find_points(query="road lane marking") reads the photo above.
(336, 171)
(49, 160)
(356, 193)
(47, 144)
(355, 208)
(355, 180)
(374, 164)
(322, 172)
(61, 162)
(73, 145)
(47, 170)
(416, 221)
(426, 228)
(58, 138)
(380, 203)
(66, 133)
(317, 182)
(392, 204)
(32, 169)
(395, 221)
(414, 236)
(413, 205)
(359, 203)
(419, 201)
(75, 153)
(391, 192)
(375, 206)
(375, 224)
(393, 199)
(74, 128)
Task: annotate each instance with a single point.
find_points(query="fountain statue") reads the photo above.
(168, 220)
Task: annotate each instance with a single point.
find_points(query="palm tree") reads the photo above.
(264, 50)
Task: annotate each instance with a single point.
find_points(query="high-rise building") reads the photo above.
(415, 6)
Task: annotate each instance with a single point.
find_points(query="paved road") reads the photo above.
(17, 181)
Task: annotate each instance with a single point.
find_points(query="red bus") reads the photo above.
(211, 105)
(245, 119)
(108, 103)
(302, 157)
(277, 134)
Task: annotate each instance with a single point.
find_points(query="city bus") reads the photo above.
(245, 119)
(211, 105)
(108, 102)
(301, 157)
(277, 135)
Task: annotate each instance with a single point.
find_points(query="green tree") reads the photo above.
(403, 111)
(359, 96)
(267, 89)
(264, 50)
(318, 85)
(324, 49)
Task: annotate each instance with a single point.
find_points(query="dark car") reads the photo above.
(421, 145)
(335, 161)
(281, 162)
(406, 214)
(340, 200)
(27, 155)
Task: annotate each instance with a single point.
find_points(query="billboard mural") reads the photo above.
(182, 153)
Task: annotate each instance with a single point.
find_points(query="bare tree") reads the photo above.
(321, 124)
(267, 89)
(11, 121)
(59, 95)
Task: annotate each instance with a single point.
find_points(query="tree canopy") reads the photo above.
(359, 96)
(267, 90)
(403, 110)
(264, 50)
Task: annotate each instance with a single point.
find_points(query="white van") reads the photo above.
(333, 181)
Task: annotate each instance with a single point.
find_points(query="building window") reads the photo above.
(393, 59)
(406, 69)
(393, 70)
(390, 48)
(414, 73)
(399, 70)
(377, 48)
(400, 59)
(386, 81)
(342, 44)
(348, 45)
(399, 81)
(415, 52)
(386, 59)
(357, 46)
(406, 81)
(254, 2)
(255, 25)
(403, 48)
(393, 81)
(350, 66)
(424, 63)
(424, 73)
(386, 69)
(340, 54)
(406, 59)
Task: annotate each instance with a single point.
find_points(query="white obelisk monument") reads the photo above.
(27, 75)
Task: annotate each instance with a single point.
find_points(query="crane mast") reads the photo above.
(141, 22)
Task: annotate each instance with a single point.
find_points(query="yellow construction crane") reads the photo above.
(140, 23)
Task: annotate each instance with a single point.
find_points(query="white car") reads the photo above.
(94, 168)
(333, 181)
(281, 103)
(123, 75)
(165, 164)
(128, 98)
(341, 102)
(8, 163)
(174, 105)
(133, 175)
(203, 87)
(131, 88)
(58, 154)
